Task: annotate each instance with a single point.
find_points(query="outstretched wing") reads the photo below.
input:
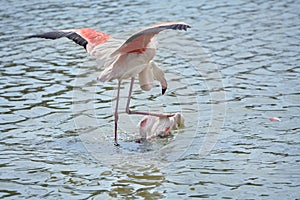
(139, 41)
(59, 34)
(86, 37)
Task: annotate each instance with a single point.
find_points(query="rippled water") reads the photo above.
(237, 67)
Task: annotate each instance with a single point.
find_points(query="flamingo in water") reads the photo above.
(122, 60)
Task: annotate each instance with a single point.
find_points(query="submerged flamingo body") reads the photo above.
(151, 126)
(122, 60)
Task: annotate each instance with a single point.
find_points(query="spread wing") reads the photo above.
(139, 41)
(70, 34)
(86, 37)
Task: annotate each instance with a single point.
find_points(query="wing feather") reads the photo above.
(140, 40)
(86, 37)
(60, 34)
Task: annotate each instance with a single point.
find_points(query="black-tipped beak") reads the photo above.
(163, 90)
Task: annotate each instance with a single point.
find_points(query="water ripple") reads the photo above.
(255, 46)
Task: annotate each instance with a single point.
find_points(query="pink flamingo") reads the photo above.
(123, 60)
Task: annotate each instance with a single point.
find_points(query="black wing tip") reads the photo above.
(49, 35)
(59, 34)
(180, 26)
(28, 37)
(35, 36)
(187, 26)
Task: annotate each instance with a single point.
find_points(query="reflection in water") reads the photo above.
(56, 119)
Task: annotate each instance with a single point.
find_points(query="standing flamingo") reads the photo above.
(123, 60)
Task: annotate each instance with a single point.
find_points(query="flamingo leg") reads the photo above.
(116, 115)
(128, 111)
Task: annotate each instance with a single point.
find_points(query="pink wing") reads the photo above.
(139, 41)
(86, 37)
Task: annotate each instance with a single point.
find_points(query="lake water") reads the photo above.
(234, 69)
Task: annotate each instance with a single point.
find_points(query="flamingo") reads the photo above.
(122, 60)
(152, 126)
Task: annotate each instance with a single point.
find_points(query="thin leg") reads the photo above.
(116, 113)
(128, 111)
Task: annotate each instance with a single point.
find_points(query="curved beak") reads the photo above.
(160, 76)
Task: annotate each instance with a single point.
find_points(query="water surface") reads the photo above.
(237, 67)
